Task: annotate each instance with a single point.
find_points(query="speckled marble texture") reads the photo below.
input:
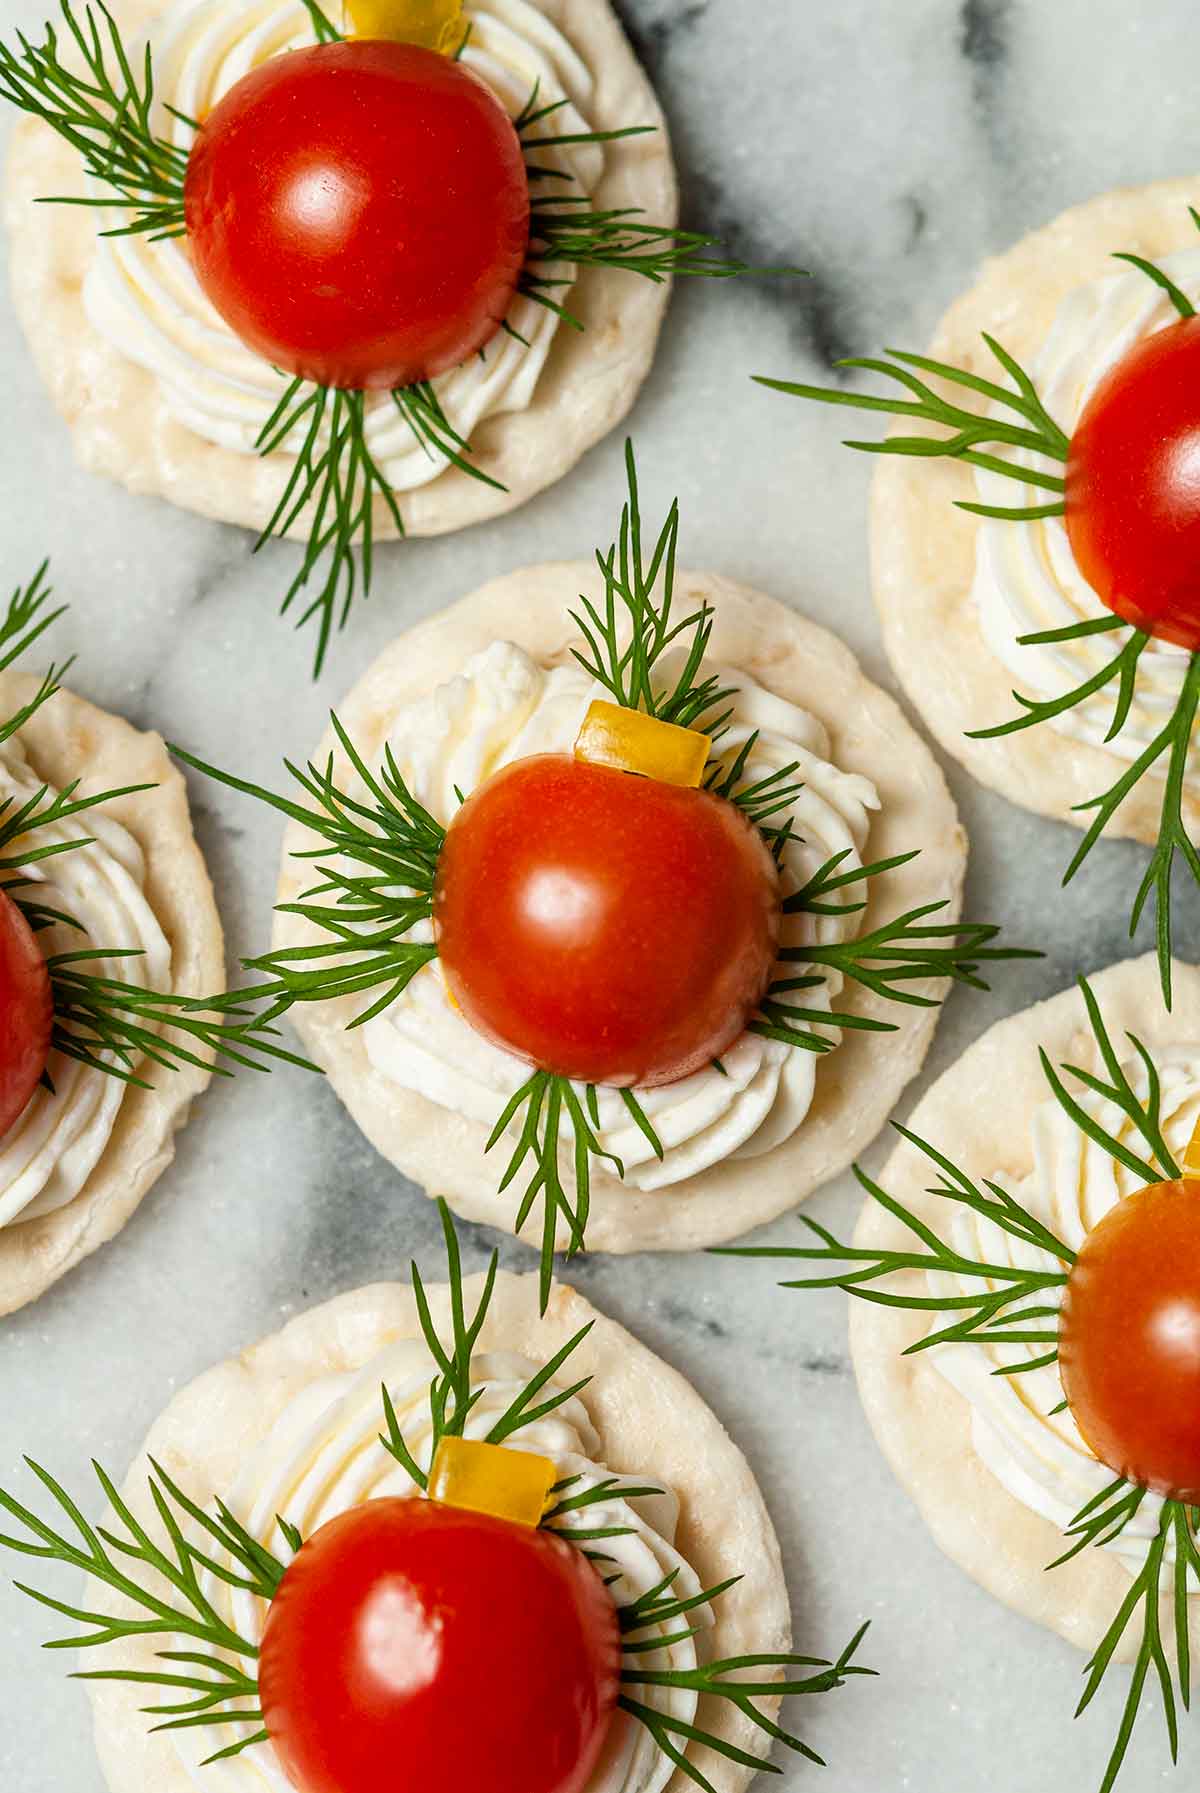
(887, 146)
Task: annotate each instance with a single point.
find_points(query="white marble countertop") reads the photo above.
(887, 146)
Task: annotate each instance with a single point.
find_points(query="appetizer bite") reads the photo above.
(1027, 1334)
(599, 889)
(111, 967)
(425, 1526)
(1037, 516)
(341, 287)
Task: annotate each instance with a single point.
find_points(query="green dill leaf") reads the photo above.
(102, 110)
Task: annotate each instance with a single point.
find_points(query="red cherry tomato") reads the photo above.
(359, 212)
(26, 1013)
(1129, 1344)
(1133, 486)
(609, 928)
(453, 1650)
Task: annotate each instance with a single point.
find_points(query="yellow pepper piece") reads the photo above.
(631, 741)
(1191, 1158)
(487, 1478)
(434, 24)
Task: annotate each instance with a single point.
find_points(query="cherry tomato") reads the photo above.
(359, 212)
(1133, 486)
(26, 1013)
(1129, 1346)
(454, 1650)
(609, 928)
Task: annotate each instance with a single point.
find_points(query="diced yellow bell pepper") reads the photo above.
(488, 1478)
(631, 741)
(434, 24)
(1191, 1158)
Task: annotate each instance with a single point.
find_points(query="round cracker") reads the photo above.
(650, 1421)
(120, 424)
(857, 1086)
(70, 739)
(978, 1113)
(923, 549)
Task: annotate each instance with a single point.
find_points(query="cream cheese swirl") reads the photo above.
(143, 297)
(1039, 1455)
(323, 1457)
(504, 706)
(1026, 577)
(50, 1151)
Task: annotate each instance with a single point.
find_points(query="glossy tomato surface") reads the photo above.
(1133, 486)
(414, 1645)
(1130, 1339)
(359, 212)
(609, 928)
(26, 1013)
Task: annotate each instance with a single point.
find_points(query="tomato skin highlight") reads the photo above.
(463, 1650)
(611, 929)
(1133, 486)
(1129, 1347)
(358, 213)
(26, 1013)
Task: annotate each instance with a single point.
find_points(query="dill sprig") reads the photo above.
(324, 29)
(986, 1313)
(1145, 1115)
(19, 850)
(104, 113)
(546, 1102)
(739, 1680)
(1019, 1305)
(1172, 743)
(42, 810)
(110, 1025)
(452, 1395)
(766, 801)
(568, 230)
(887, 960)
(908, 949)
(971, 434)
(26, 618)
(627, 634)
(160, 1576)
(335, 472)
(336, 478)
(213, 1682)
(1099, 1523)
(393, 845)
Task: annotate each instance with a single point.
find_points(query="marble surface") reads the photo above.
(888, 147)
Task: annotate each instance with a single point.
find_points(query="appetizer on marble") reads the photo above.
(341, 288)
(607, 884)
(110, 950)
(401, 1513)
(1027, 1339)
(1037, 516)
